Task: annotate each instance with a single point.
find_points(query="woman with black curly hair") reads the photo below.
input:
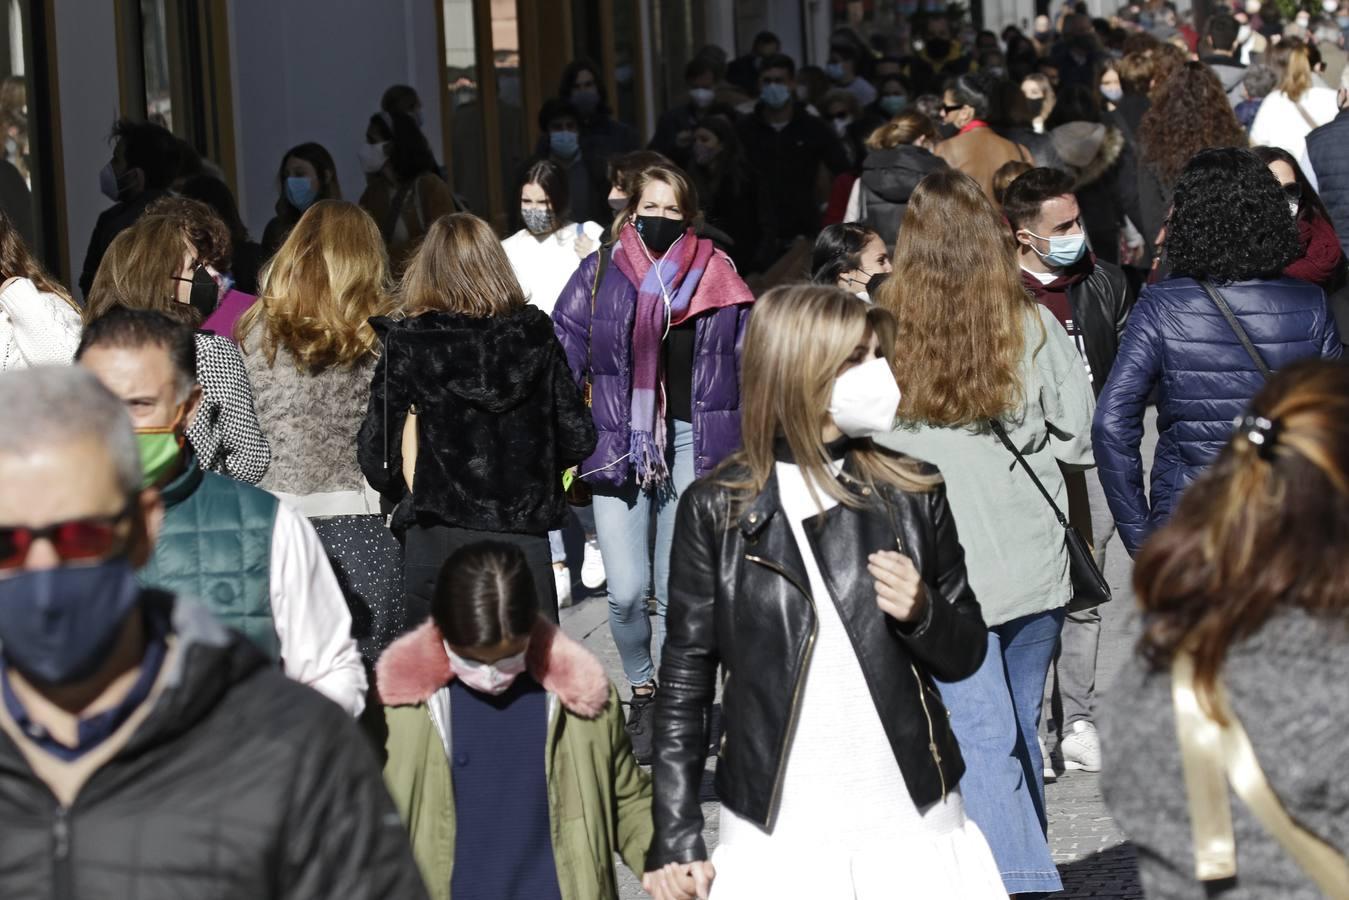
(1207, 337)
(1190, 112)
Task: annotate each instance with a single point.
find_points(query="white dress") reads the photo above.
(36, 328)
(543, 267)
(846, 827)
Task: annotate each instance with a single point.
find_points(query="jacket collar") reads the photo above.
(759, 511)
(186, 482)
(415, 667)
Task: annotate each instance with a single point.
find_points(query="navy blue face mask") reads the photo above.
(57, 626)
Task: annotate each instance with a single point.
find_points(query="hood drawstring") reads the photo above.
(388, 361)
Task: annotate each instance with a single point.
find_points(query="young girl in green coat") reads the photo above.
(506, 752)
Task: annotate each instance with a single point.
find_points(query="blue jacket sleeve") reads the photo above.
(572, 315)
(1332, 345)
(1117, 430)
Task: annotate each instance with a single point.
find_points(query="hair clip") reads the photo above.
(1260, 431)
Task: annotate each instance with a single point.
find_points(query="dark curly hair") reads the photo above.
(1189, 113)
(1229, 221)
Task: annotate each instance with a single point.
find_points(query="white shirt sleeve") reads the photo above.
(854, 211)
(311, 616)
(44, 329)
(1304, 160)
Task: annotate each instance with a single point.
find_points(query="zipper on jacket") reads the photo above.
(61, 874)
(796, 689)
(931, 731)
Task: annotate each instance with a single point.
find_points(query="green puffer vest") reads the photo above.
(216, 547)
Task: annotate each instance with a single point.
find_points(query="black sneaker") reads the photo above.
(639, 725)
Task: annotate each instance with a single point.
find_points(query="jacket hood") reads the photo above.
(893, 174)
(415, 666)
(493, 362)
(1087, 149)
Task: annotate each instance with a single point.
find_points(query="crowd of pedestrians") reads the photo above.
(840, 386)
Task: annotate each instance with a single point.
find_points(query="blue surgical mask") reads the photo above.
(1113, 94)
(564, 144)
(1064, 250)
(775, 95)
(300, 192)
(60, 624)
(834, 71)
(893, 104)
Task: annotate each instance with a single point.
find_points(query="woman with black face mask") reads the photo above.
(654, 339)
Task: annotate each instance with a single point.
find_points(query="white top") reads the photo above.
(844, 807)
(36, 328)
(1279, 124)
(544, 266)
(311, 616)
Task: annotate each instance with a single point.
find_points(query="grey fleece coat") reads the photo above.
(310, 420)
(1289, 685)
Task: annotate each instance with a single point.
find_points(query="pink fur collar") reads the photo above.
(415, 667)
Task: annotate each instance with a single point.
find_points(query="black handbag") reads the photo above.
(1090, 589)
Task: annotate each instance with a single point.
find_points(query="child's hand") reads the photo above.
(680, 881)
(899, 590)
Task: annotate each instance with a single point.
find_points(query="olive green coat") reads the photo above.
(599, 799)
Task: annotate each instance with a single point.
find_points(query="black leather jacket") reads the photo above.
(740, 599)
(1101, 305)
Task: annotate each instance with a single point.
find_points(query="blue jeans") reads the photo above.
(995, 714)
(622, 524)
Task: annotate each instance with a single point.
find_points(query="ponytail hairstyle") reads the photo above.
(838, 249)
(905, 128)
(485, 596)
(1292, 59)
(1262, 530)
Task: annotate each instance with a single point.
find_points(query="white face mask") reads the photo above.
(865, 399)
(372, 157)
(488, 678)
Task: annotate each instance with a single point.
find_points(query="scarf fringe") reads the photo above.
(648, 459)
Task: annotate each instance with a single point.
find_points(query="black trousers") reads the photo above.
(427, 547)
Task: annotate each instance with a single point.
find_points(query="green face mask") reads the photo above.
(160, 449)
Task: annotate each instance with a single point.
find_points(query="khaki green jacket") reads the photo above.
(599, 799)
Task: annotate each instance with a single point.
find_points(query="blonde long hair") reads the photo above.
(799, 335)
(961, 309)
(316, 295)
(1291, 59)
(460, 268)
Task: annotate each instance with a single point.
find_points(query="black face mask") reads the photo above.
(658, 232)
(875, 283)
(205, 294)
(1035, 106)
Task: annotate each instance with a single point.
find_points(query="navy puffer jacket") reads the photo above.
(718, 337)
(1178, 341)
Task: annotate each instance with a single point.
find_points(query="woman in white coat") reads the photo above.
(39, 322)
(1290, 113)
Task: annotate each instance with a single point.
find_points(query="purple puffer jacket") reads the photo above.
(716, 371)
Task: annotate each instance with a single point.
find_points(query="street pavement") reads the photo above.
(1093, 857)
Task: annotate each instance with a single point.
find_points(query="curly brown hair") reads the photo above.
(1190, 112)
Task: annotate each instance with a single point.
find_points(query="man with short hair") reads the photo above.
(788, 150)
(560, 142)
(674, 129)
(1090, 298)
(145, 750)
(1221, 38)
(743, 72)
(253, 561)
(145, 161)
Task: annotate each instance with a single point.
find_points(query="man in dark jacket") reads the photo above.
(145, 160)
(786, 147)
(1090, 298)
(146, 750)
(674, 129)
(743, 72)
(1222, 40)
(1327, 165)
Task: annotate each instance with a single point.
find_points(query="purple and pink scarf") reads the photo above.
(693, 279)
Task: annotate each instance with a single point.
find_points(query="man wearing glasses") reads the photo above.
(145, 750)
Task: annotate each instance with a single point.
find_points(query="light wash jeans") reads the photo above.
(623, 526)
(995, 714)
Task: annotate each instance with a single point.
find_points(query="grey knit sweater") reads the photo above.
(1289, 685)
(311, 422)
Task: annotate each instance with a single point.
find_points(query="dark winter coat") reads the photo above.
(716, 370)
(499, 419)
(239, 785)
(887, 182)
(1178, 342)
(1330, 166)
(740, 600)
(1093, 154)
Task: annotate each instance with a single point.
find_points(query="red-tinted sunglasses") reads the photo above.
(77, 540)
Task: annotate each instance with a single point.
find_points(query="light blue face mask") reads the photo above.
(1064, 250)
(775, 95)
(893, 104)
(300, 192)
(564, 144)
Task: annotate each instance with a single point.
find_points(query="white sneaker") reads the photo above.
(1081, 747)
(562, 577)
(592, 565)
(1050, 775)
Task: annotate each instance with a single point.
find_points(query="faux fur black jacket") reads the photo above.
(499, 418)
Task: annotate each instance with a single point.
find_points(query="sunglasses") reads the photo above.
(947, 108)
(76, 540)
(1293, 191)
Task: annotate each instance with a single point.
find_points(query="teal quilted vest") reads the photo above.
(216, 547)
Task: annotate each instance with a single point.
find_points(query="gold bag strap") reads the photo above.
(1212, 755)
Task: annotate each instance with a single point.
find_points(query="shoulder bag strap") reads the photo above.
(1007, 442)
(390, 223)
(601, 266)
(1306, 117)
(1214, 755)
(1236, 328)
